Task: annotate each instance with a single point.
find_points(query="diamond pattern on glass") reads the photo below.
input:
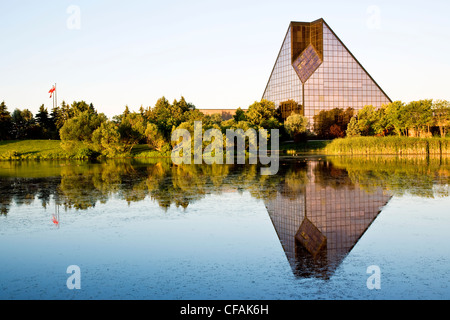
(307, 63)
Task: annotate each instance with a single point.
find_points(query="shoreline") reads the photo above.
(50, 150)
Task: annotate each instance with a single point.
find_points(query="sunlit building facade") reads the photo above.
(317, 71)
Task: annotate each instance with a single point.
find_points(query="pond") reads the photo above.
(322, 228)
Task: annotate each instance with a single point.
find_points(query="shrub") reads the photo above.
(295, 124)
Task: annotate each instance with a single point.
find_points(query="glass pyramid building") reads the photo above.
(315, 70)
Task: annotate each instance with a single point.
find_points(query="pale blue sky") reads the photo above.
(217, 54)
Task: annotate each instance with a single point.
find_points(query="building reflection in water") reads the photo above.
(320, 221)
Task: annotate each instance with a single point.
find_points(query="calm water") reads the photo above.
(151, 230)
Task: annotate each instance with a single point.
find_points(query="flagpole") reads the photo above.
(56, 99)
(53, 99)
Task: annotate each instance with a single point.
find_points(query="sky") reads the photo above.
(217, 54)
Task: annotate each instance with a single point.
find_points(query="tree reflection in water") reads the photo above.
(310, 199)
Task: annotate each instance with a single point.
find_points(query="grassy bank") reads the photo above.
(52, 150)
(32, 150)
(388, 146)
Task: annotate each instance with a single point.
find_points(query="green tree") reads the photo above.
(182, 105)
(441, 114)
(23, 124)
(419, 116)
(395, 114)
(78, 107)
(43, 122)
(382, 126)
(193, 115)
(5, 122)
(106, 139)
(213, 119)
(295, 125)
(239, 115)
(78, 130)
(42, 117)
(367, 120)
(261, 113)
(154, 137)
(64, 113)
(132, 130)
(353, 128)
(166, 116)
(55, 123)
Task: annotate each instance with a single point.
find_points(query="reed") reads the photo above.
(388, 146)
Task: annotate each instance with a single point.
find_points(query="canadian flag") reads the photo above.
(53, 89)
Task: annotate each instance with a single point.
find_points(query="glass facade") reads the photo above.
(316, 70)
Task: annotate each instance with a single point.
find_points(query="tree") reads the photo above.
(23, 124)
(213, 119)
(367, 119)
(420, 116)
(43, 122)
(132, 130)
(79, 129)
(55, 122)
(353, 128)
(441, 114)
(42, 117)
(382, 126)
(81, 106)
(5, 122)
(193, 115)
(239, 115)
(106, 139)
(259, 112)
(336, 131)
(166, 116)
(154, 137)
(65, 113)
(182, 105)
(395, 113)
(295, 125)
(327, 118)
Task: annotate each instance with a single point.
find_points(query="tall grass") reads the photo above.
(388, 146)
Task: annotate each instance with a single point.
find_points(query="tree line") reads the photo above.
(81, 127)
(423, 118)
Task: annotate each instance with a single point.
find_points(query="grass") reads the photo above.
(388, 146)
(52, 150)
(32, 150)
(144, 151)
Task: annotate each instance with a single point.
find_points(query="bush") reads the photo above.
(295, 125)
(86, 153)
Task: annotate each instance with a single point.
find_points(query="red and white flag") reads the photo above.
(53, 89)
